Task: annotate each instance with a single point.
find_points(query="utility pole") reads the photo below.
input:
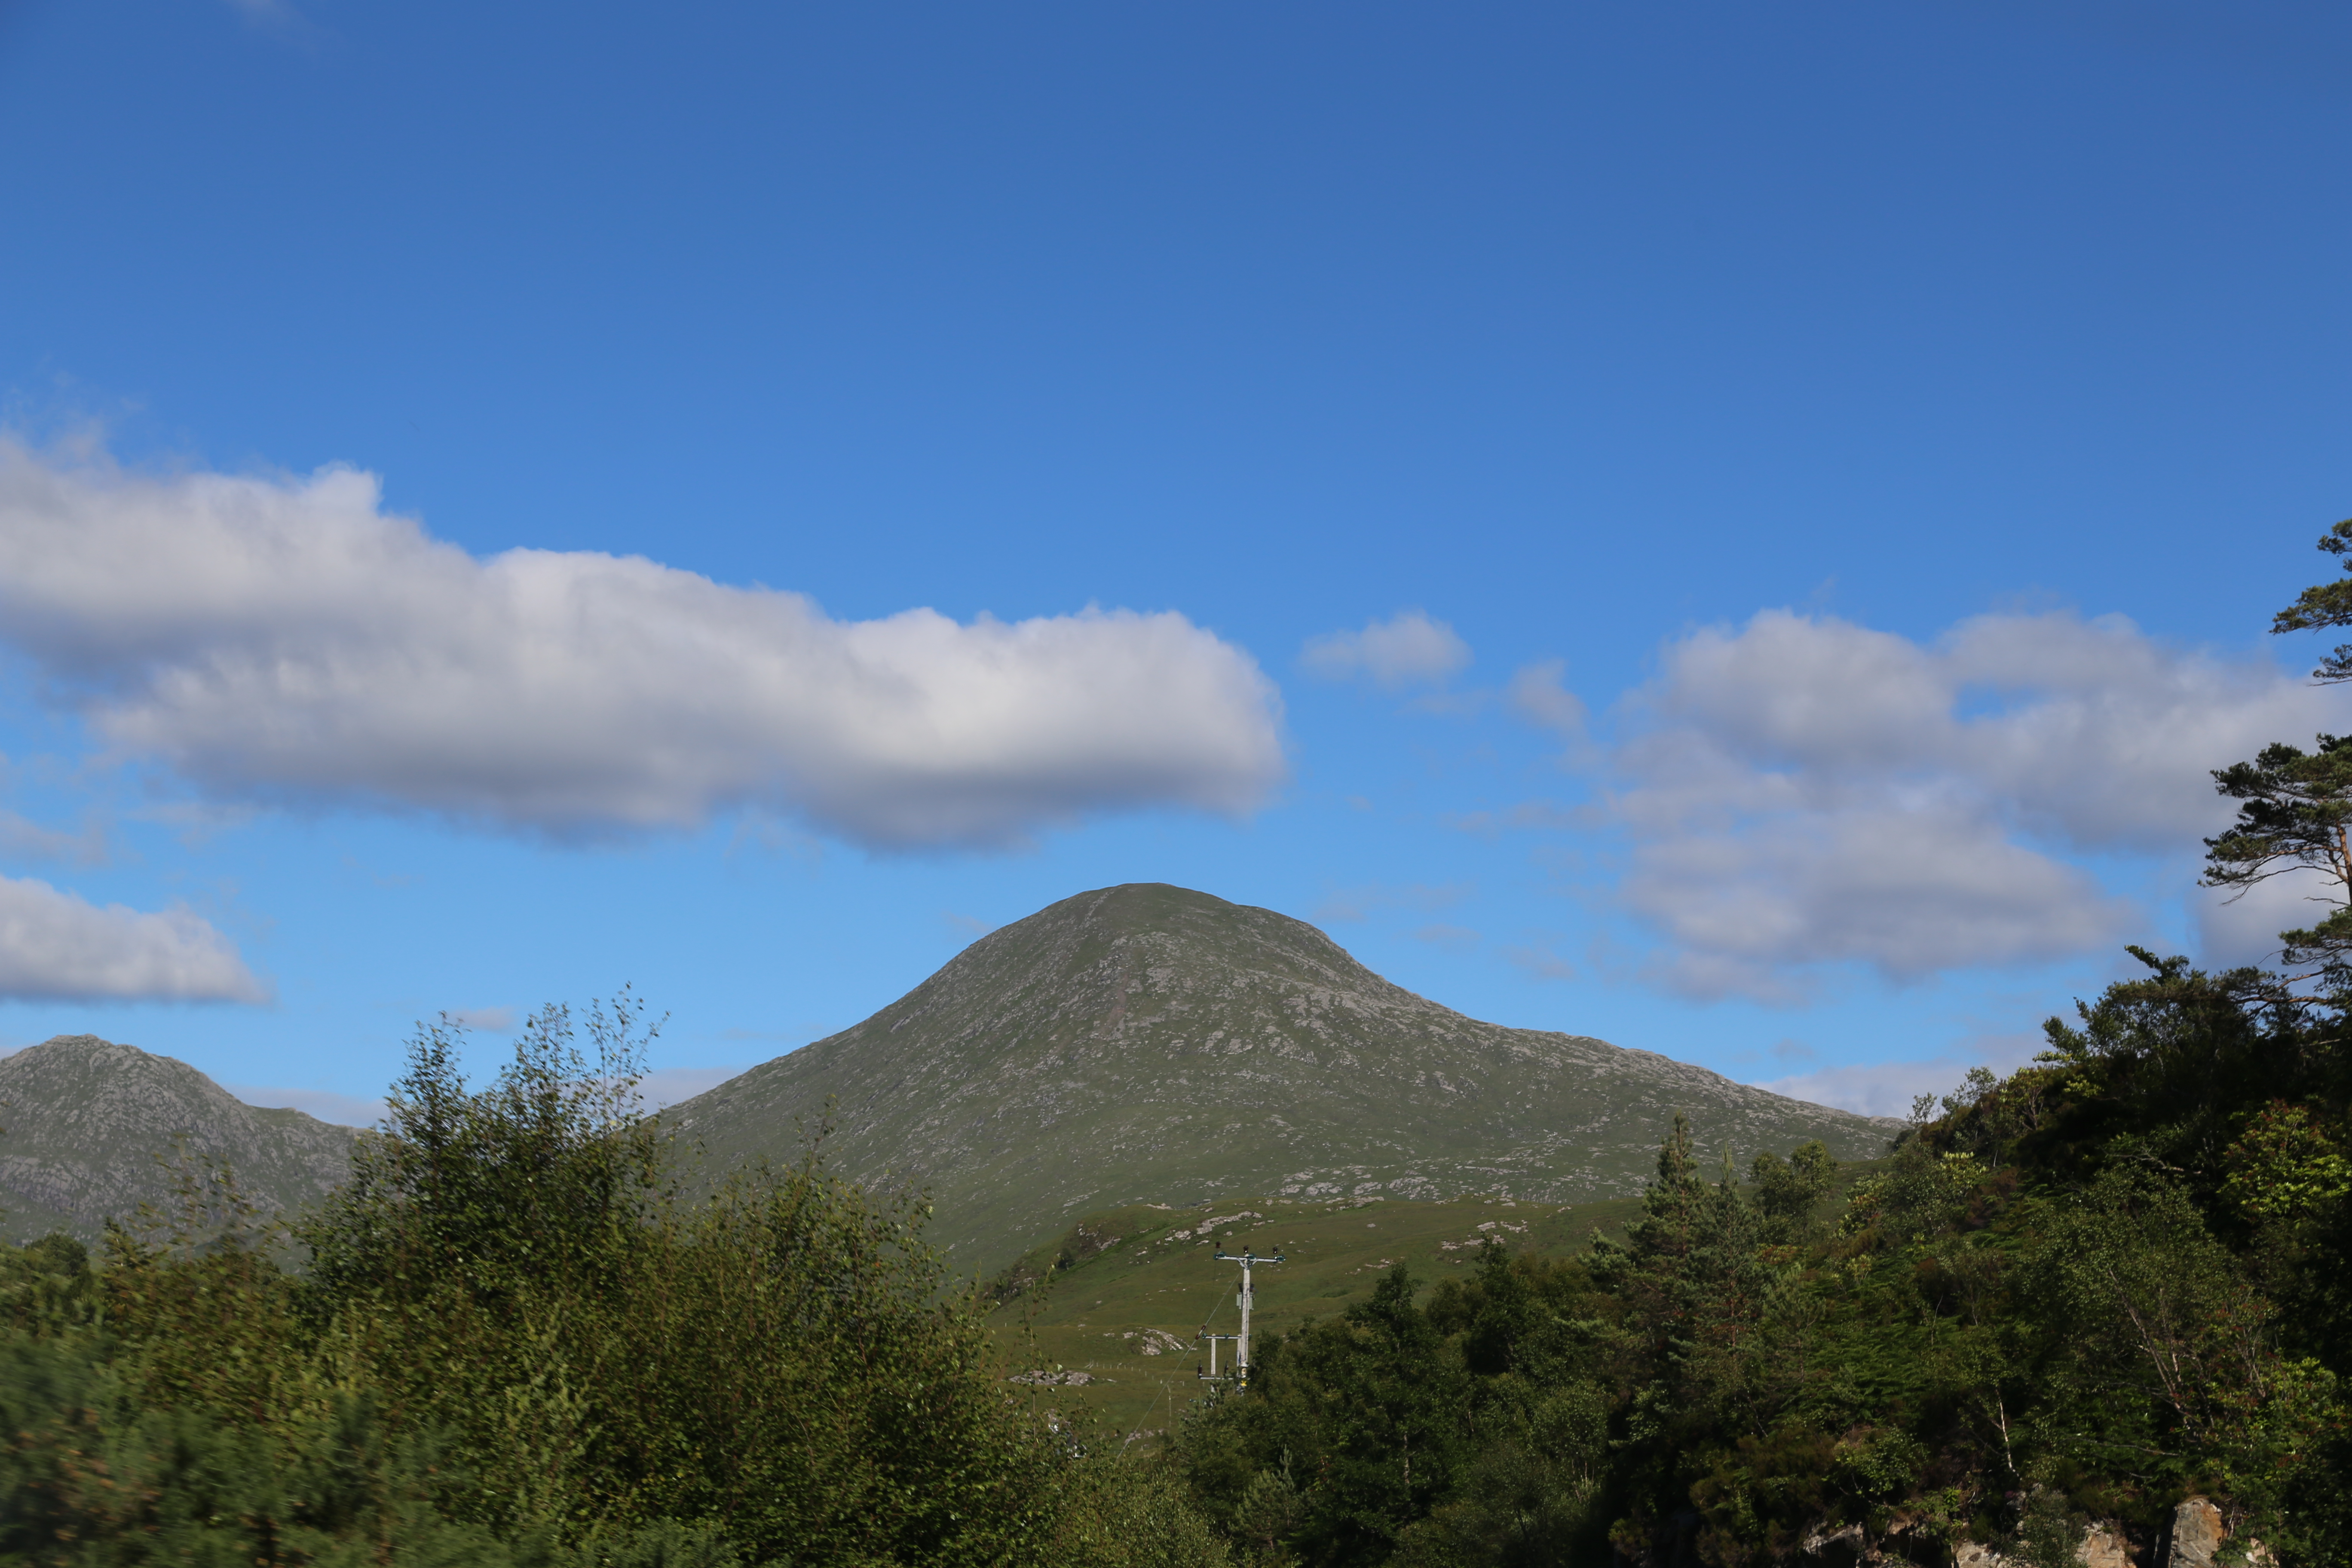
(1248, 1260)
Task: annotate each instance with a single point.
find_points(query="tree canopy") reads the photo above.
(529, 1332)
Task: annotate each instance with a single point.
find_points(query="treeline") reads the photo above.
(2074, 1299)
(516, 1338)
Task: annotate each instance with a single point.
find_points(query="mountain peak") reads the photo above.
(1150, 1042)
(83, 1121)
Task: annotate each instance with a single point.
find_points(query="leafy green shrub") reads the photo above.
(520, 1341)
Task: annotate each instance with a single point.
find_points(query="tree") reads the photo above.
(2294, 815)
(2325, 605)
(1787, 1190)
(538, 1177)
(2295, 812)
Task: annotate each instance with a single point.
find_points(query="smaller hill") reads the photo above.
(88, 1128)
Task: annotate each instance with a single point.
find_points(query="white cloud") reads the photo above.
(346, 1110)
(2245, 930)
(1541, 698)
(1453, 938)
(2090, 728)
(1526, 814)
(488, 1020)
(659, 1087)
(1910, 890)
(1537, 961)
(1803, 791)
(1887, 1089)
(196, 823)
(55, 946)
(668, 1085)
(29, 840)
(287, 639)
(1360, 903)
(1406, 650)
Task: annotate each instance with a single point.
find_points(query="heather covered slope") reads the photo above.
(1150, 1042)
(85, 1121)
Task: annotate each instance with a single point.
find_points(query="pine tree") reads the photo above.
(2295, 812)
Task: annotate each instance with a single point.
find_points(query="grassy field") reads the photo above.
(1115, 1329)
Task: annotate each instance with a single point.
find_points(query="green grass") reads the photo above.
(1126, 1315)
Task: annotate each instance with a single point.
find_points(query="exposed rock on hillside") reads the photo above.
(1151, 1043)
(85, 1120)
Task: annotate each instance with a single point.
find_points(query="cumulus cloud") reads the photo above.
(1407, 650)
(281, 639)
(1908, 889)
(1360, 903)
(1537, 961)
(55, 946)
(2241, 926)
(1540, 696)
(1803, 791)
(1526, 814)
(657, 1088)
(1887, 1089)
(347, 1110)
(668, 1085)
(29, 840)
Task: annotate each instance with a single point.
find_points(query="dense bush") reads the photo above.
(2111, 1281)
(516, 1338)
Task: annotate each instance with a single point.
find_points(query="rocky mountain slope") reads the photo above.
(85, 1120)
(1150, 1043)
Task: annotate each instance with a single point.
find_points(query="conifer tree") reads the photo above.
(2295, 812)
(2325, 605)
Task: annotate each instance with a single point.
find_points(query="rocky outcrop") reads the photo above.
(2195, 1535)
(2198, 1535)
(2102, 1548)
(1841, 1548)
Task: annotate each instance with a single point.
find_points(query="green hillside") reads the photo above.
(1114, 1307)
(1150, 1043)
(1116, 1319)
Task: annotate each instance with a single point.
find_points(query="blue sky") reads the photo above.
(1736, 530)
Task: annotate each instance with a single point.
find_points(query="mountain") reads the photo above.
(1150, 1043)
(85, 1120)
